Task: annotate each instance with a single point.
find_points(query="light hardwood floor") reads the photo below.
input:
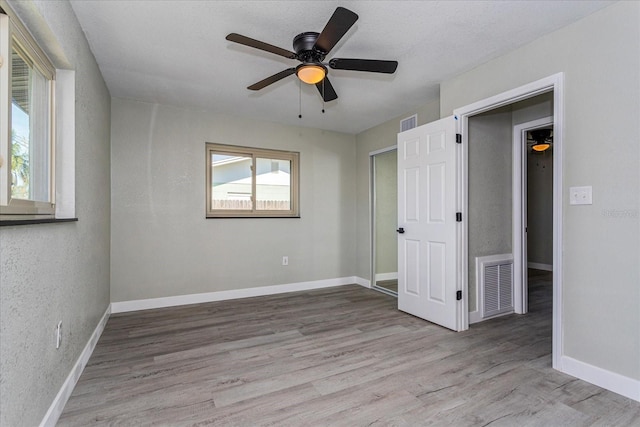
(341, 356)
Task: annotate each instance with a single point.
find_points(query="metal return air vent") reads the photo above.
(409, 123)
(494, 279)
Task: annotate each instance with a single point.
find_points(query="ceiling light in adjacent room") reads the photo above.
(541, 146)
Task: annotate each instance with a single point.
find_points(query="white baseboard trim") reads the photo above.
(363, 282)
(151, 303)
(387, 276)
(611, 381)
(539, 266)
(475, 317)
(55, 410)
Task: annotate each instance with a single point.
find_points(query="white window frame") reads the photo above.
(253, 153)
(13, 31)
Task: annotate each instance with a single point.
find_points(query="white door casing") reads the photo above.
(427, 249)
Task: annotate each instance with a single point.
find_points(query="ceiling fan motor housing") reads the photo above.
(542, 135)
(303, 44)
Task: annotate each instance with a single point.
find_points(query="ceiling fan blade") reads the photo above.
(326, 90)
(257, 44)
(371, 65)
(338, 25)
(272, 79)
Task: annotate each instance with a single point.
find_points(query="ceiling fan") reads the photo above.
(311, 49)
(540, 140)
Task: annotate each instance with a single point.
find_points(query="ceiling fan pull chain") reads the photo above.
(323, 95)
(299, 99)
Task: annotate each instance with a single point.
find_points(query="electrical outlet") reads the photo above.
(59, 334)
(580, 195)
(285, 260)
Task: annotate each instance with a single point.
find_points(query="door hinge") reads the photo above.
(458, 295)
(458, 216)
(459, 138)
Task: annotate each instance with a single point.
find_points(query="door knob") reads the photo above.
(400, 230)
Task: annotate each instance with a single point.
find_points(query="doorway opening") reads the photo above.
(500, 159)
(384, 217)
(538, 220)
(530, 95)
(533, 216)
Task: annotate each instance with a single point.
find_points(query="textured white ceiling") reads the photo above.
(175, 52)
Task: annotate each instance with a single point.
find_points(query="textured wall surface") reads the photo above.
(382, 136)
(490, 189)
(163, 245)
(601, 252)
(53, 272)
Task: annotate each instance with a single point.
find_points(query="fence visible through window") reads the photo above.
(245, 181)
(269, 205)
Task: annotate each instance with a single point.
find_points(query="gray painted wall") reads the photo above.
(601, 250)
(534, 108)
(162, 243)
(381, 136)
(53, 272)
(386, 185)
(490, 189)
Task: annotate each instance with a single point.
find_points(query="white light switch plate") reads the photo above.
(580, 196)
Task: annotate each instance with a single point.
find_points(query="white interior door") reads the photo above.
(427, 279)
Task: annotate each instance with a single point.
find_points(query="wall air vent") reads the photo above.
(408, 123)
(494, 280)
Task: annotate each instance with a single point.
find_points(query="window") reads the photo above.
(27, 125)
(251, 182)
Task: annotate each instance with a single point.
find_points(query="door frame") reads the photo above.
(555, 84)
(372, 216)
(520, 156)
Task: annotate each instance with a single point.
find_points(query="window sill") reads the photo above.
(12, 222)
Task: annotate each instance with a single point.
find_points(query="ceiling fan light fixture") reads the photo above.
(311, 73)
